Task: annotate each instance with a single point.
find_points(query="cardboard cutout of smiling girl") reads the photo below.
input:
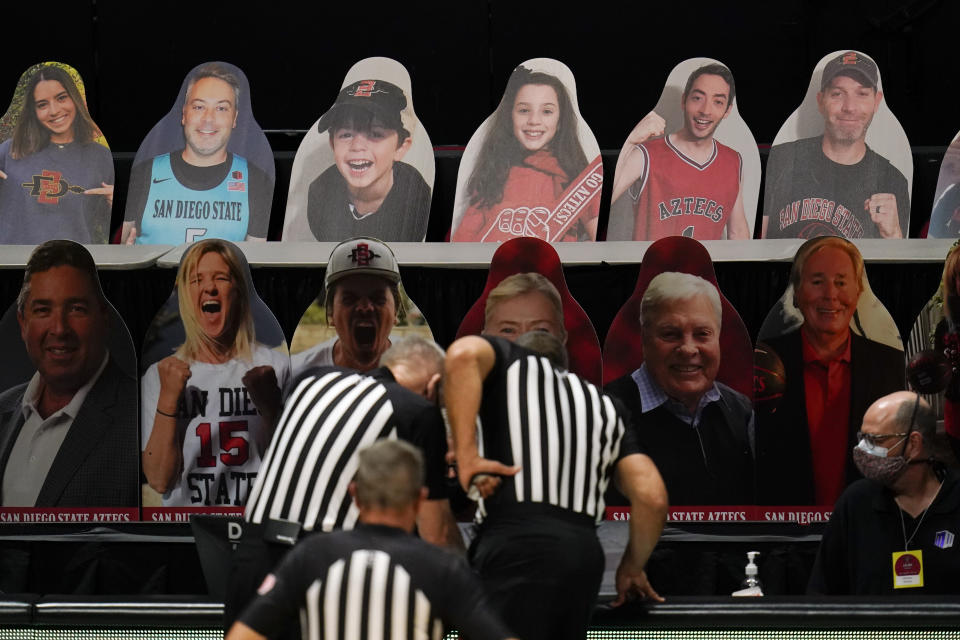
(215, 360)
(840, 351)
(841, 164)
(366, 167)
(691, 166)
(56, 170)
(206, 169)
(533, 168)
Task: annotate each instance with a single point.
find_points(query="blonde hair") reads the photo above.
(519, 284)
(811, 247)
(240, 316)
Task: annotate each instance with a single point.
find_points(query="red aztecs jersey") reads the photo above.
(676, 196)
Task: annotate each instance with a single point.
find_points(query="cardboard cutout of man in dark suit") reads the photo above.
(68, 437)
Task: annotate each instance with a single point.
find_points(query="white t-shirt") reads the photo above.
(219, 426)
(319, 355)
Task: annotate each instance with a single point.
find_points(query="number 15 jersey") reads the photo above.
(219, 427)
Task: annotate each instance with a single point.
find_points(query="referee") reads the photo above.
(331, 413)
(375, 581)
(548, 444)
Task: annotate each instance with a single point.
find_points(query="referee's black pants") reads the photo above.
(541, 567)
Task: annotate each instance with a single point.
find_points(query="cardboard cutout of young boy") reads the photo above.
(68, 412)
(841, 163)
(840, 351)
(691, 166)
(206, 169)
(533, 167)
(56, 170)
(366, 167)
(215, 362)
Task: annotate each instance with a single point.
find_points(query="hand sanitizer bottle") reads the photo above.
(751, 584)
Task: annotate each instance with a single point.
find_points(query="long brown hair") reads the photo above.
(501, 150)
(30, 135)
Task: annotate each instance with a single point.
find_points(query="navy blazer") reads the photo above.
(98, 464)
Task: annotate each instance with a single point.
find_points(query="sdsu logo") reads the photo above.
(362, 256)
(365, 89)
(49, 187)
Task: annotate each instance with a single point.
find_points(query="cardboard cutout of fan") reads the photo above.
(360, 311)
(56, 170)
(691, 166)
(935, 330)
(623, 350)
(533, 168)
(945, 216)
(366, 167)
(531, 255)
(205, 170)
(214, 362)
(840, 351)
(841, 164)
(68, 354)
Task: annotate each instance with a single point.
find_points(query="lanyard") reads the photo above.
(903, 527)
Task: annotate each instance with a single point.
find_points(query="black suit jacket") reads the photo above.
(98, 464)
(785, 459)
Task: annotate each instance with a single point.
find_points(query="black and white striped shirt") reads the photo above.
(374, 582)
(329, 415)
(563, 432)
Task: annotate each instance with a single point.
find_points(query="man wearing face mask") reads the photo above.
(893, 532)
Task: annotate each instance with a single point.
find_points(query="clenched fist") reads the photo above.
(882, 208)
(174, 374)
(650, 126)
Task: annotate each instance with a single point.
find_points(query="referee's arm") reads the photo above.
(240, 631)
(469, 361)
(435, 521)
(641, 483)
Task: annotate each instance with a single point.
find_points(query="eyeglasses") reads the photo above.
(873, 439)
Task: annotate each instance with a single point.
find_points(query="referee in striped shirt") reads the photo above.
(376, 581)
(548, 444)
(329, 415)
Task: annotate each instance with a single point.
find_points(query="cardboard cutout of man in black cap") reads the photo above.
(835, 184)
